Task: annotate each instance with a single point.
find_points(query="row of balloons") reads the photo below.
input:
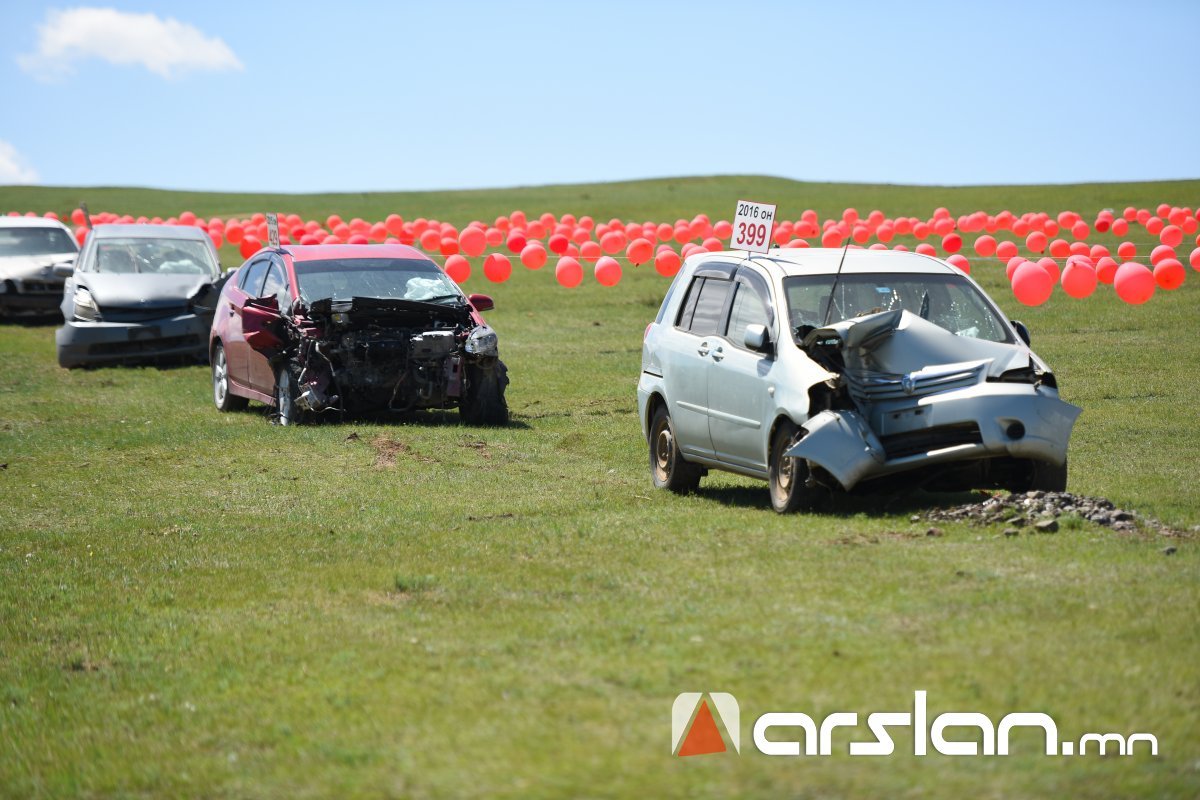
(581, 239)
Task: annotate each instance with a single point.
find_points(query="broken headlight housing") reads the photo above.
(85, 306)
(482, 342)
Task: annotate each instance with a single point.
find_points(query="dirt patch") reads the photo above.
(388, 450)
(478, 445)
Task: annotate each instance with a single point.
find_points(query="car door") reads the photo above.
(275, 285)
(740, 385)
(686, 358)
(237, 352)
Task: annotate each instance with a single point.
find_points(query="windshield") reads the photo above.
(35, 242)
(383, 278)
(154, 256)
(949, 301)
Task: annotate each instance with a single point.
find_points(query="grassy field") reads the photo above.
(197, 604)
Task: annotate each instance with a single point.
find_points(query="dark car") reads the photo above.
(310, 329)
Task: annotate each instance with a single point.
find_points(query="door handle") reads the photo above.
(718, 354)
(703, 349)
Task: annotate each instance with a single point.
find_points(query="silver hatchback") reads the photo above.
(824, 369)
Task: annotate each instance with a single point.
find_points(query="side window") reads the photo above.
(276, 284)
(709, 305)
(748, 309)
(689, 305)
(252, 278)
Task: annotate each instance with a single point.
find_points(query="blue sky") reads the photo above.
(304, 97)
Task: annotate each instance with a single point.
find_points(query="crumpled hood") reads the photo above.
(32, 267)
(138, 290)
(900, 342)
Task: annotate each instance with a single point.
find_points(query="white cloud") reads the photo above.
(13, 168)
(166, 47)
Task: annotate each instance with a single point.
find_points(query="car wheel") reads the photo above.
(788, 476)
(669, 469)
(224, 399)
(484, 403)
(286, 410)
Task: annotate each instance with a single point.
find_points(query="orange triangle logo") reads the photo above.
(703, 738)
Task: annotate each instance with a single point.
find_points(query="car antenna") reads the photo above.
(86, 216)
(837, 276)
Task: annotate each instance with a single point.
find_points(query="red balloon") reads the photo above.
(1160, 253)
(1134, 283)
(358, 238)
(331, 239)
(1032, 285)
(960, 261)
(1060, 248)
(249, 246)
(1154, 226)
(472, 241)
(1106, 269)
(1078, 279)
(394, 224)
(612, 242)
(568, 272)
(1013, 263)
(723, 229)
(1126, 250)
(234, 233)
(1169, 274)
(952, 243)
(1006, 250)
(81, 233)
(1171, 236)
(533, 256)
(640, 250)
(1036, 242)
(448, 245)
(668, 262)
(1194, 259)
(77, 217)
(926, 249)
(497, 268)
(516, 240)
(495, 237)
(217, 239)
(1120, 227)
(458, 268)
(1051, 267)
(985, 246)
(608, 271)
(558, 244)
(831, 238)
(590, 251)
(430, 240)
(187, 218)
(1080, 230)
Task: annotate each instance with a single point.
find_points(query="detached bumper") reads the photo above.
(84, 343)
(992, 420)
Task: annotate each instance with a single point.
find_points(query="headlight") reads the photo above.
(85, 306)
(482, 342)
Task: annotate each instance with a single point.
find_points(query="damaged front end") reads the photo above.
(908, 396)
(371, 354)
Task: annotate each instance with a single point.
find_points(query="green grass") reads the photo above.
(197, 604)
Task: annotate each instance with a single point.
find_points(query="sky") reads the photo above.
(304, 97)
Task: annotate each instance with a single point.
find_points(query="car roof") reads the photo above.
(785, 261)
(32, 222)
(349, 252)
(142, 231)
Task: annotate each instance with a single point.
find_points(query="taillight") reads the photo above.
(647, 331)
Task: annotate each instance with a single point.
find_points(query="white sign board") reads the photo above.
(753, 224)
(273, 230)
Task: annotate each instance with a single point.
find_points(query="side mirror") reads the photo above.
(481, 302)
(756, 338)
(1022, 331)
(64, 270)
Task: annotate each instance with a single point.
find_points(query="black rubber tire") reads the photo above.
(222, 397)
(668, 468)
(483, 402)
(788, 476)
(1047, 477)
(286, 412)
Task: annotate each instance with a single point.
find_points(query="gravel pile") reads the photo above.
(1038, 512)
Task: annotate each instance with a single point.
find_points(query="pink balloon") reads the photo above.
(1078, 280)
(608, 271)
(1060, 248)
(1006, 250)
(1154, 226)
(568, 272)
(960, 261)
(1032, 285)
(1106, 269)
(926, 249)
(668, 262)
(985, 246)
(1126, 250)
(1161, 253)
(612, 242)
(472, 241)
(497, 268)
(1012, 265)
(1171, 236)
(831, 238)
(534, 256)
(458, 268)
(590, 251)
(1036, 242)
(723, 229)
(1134, 283)
(640, 251)
(1051, 267)
(1169, 274)
(1080, 230)
(331, 239)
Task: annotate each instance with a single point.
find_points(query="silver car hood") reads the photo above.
(900, 342)
(18, 267)
(140, 290)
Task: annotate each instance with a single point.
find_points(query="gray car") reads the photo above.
(139, 293)
(816, 373)
(30, 249)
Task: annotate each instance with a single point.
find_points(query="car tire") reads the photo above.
(1047, 477)
(224, 399)
(668, 468)
(483, 402)
(286, 410)
(788, 477)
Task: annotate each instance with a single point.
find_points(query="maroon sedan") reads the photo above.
(310, 329)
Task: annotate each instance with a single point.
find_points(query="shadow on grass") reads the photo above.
(878, 503)
(424, 419)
